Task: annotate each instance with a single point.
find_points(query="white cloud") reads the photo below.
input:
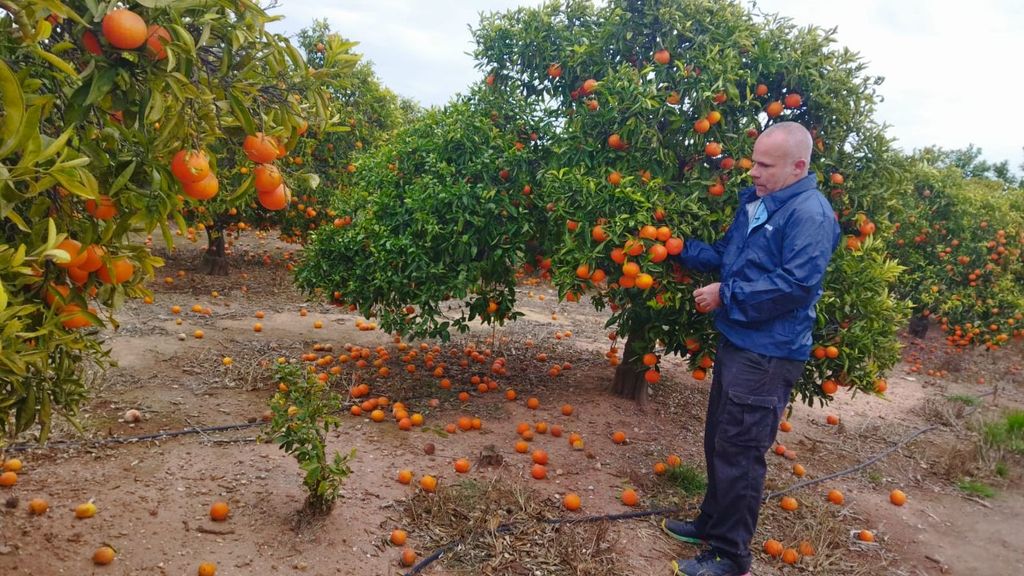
(952, 70)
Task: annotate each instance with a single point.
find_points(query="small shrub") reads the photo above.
(304, 411)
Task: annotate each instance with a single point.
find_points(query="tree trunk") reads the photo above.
(629, 375)
(215, 261)
(918, 327)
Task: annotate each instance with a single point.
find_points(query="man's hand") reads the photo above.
(707, 298)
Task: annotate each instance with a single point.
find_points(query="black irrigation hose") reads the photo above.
(422, 564)
(900, 444)
(130, 439)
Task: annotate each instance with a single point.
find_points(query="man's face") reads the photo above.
(774, 168)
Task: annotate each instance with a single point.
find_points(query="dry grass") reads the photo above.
(503, 528)
(827, 528)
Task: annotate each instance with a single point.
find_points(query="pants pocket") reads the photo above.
(749, 420)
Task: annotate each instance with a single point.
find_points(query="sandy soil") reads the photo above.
(153, 496)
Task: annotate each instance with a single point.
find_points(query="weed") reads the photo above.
(965, 399)
(1006, 433)
(688, 479)
(1002, 470)
(975, 488)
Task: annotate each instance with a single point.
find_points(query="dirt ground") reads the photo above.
(153, 496)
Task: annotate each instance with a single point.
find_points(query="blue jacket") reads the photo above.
(771, 278)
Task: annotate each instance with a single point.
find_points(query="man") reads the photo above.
(771, 264)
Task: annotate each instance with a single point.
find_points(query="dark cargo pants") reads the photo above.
(749, 392)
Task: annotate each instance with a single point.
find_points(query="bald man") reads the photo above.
(771, 264)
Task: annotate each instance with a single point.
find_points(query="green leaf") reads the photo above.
(55, 146)
(165, 230)
(51, 234)
(45, 414)
(14, 108)
(123, 177)
(19, 256)
(14, 217)
(26, 412)
(102, 83)
(241, 113)
(57, 61)
(3, 297)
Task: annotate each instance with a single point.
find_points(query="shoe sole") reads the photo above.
(677, 572)
(686, 539)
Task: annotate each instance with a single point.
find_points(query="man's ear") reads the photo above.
(800, 165)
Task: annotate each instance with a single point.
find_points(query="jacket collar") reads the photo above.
(779, 198)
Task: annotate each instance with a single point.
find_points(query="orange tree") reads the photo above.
(615, 133)
(367, 113)
(263, 155)
(436, 214)
(107, 117)
(961, 240)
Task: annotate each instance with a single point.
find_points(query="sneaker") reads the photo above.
(707, 564)
(681, 530)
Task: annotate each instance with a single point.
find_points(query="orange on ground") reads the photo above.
(836, 497)
(571, 501)
(87, 510)
(38, 506)
(398, 536)
(219, 511)
(428, 483)
(806, 548)
(788, 503)
(103, 555)
(897, 497)
(408, 557)
(630, 497)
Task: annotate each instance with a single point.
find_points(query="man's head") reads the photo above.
(782, 154)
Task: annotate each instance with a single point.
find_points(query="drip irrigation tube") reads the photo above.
(130, 439)
(423, 564)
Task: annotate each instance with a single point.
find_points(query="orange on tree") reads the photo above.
(124, 29)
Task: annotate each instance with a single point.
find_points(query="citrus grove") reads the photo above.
(600, 139)
(113, 120)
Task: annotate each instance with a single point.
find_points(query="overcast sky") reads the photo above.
(954, 71)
